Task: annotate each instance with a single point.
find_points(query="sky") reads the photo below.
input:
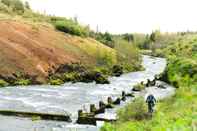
(125, 16)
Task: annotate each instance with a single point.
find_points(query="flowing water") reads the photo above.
(69, 98)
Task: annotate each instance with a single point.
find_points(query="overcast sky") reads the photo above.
(120, 16)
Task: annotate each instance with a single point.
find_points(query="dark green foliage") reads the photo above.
(117, 70)
(194, 48)
(18, 6)
(69, 26)
(70, 68)
(27, 6)
(79, 73)
(155, 35)
(73, 77)
(145, 44)
(128, 37)
(105, 38)
(101, 79)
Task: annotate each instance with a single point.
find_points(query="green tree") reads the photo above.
(18, 6)
(105, 38)
(128, 37)
(6, 2)
(27, 6)
(155, 35)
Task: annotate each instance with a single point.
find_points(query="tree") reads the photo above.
(27, 6)
(128, 37)
(18, 6)
(6, 2)
(105, 38)
(155, 35)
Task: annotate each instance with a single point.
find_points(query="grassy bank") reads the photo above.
(178, 113)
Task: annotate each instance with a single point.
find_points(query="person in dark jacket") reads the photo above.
(150, 100)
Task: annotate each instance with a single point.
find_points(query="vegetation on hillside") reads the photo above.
(178, 112)
(41, 49)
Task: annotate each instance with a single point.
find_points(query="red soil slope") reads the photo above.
(35, 50)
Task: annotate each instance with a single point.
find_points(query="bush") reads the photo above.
(73, 76)
(4, 8)
(136, 110)
(70, 27)
(101, 79)
(7, 2)
(3, 83)
(22, 82)
(103, 70)
(56, 82)
(117, 70)
(105, 38)
(18, 6)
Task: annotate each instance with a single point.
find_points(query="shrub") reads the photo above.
(101, 79)
(22, 82)
(136, 110)
(104, 58)
(4, 8)
(105, 38)
(18, 6)
(3, 83)
(70, 27)
(73, 76)
(6, 2)
(102, 70)
(56, 82)
(117, 70)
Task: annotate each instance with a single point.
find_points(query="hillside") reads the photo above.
(39, 50)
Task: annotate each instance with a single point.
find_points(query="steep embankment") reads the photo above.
(37, 50)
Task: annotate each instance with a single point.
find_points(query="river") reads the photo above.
(69, 98)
